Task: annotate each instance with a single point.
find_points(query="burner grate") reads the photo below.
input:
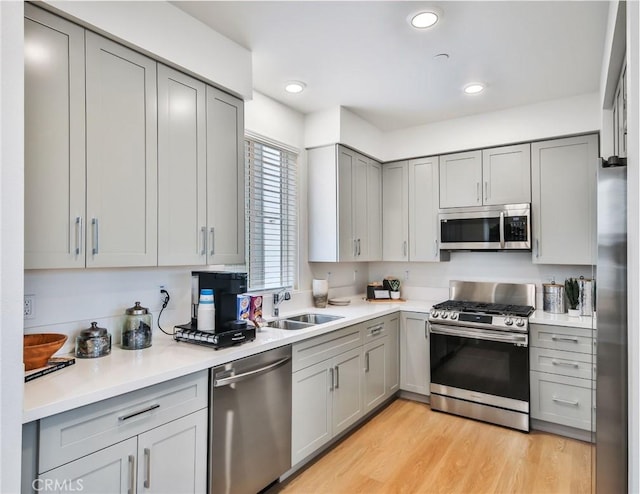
(485, 308)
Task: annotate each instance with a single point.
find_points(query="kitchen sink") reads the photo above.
(314, 318)
(288, 324)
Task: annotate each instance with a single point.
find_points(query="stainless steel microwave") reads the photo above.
(505, 227)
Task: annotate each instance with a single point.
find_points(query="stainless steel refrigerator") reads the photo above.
(611, 388)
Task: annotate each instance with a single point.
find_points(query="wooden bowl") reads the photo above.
(38, 348)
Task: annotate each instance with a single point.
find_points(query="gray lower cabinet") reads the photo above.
(129, 443)
(340, 377)
(415, 371)
(562, 375)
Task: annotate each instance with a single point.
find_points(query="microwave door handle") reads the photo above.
(502, 229)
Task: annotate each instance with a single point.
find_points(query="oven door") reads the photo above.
(481, 365)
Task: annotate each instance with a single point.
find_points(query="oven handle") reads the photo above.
(519, 339)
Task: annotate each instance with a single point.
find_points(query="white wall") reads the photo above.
(11, 240)
(168, 34)
(360, 134)
(575, 115)
(322, 128)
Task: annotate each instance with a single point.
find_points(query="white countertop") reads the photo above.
(92, 380)
(541, 317)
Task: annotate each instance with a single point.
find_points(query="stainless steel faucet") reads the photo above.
(277, 298)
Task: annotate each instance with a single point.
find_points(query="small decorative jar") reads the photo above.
(136, 331)
(93, 342)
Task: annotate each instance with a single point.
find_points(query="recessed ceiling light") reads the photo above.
(474, 88)
(424, 20)
(294, 87)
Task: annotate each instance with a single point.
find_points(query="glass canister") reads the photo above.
(136, 331)
(93, 342)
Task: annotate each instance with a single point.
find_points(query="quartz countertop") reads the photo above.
(123, 371)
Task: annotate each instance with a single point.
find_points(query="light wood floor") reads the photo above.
(408, 448)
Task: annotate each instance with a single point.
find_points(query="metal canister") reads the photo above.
(553, 299)
(585, 300)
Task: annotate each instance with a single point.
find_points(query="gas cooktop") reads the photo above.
(485, 308)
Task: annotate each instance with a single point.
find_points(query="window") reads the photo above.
(271, 214)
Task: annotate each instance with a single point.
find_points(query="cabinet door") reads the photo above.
(182, 186)
(563, 200)
(347, 242)
(54, 167)
(414, 353)
(173, 457)
(225, 179)
(375, 373)
(392, 326)
(360, 207)
(122, 165)
(374, 211)
(423, 210)
(460, 179)
(506, 175)
(109, 471)
(395, 212)
(347, 390)
(311, 410)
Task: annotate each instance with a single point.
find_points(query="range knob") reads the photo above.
(445, 315)
(520, 323)
(508, 321)
(454, 316)
(435, 314)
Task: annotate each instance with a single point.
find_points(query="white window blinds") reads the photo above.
(271, 215)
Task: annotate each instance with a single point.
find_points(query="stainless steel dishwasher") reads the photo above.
(250, 422)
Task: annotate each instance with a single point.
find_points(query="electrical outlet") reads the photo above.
(29, 306)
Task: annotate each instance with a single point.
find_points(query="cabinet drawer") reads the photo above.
(570, 364)
(316, 350)
(561, 400)
(373, 330)
(70, 435)
(562, 338)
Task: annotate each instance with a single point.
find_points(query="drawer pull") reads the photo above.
(564, 338)
(331, 386)
(375, 330)
(147, 467)
(132, 475)
(565, 364)
(566, 402)
(366, 360)
(139, 412)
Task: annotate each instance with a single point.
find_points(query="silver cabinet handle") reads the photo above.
(331, 386)
(537, 248)
(147, 468)
(564, 338)
(366, 362)
(486, 190)
(564, 364)
(358, 247)
(139, 412)
(355, 247)
(566, 402)
(426, 330)
(212, 232)
(435, 249)
(132, 475)
(478, 192)
(203, 232)
(404, 249)
(374, 330)
(96, 238)
(337, 377)
(78, 249)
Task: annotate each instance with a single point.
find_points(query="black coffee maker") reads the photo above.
(229, 330)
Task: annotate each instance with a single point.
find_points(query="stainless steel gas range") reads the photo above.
(480, 352)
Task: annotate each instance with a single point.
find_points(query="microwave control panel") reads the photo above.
(516, 228)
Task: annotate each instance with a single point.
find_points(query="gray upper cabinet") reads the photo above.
(564, 200)
(461, 179)
(506, 175)
(493, 176)
(395, 212)
(54, 142)
(122, 150)
(182, 172)
(345, 212)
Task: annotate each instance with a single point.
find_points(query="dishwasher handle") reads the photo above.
(247, 375)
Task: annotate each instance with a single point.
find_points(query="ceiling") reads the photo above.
(363, 55)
